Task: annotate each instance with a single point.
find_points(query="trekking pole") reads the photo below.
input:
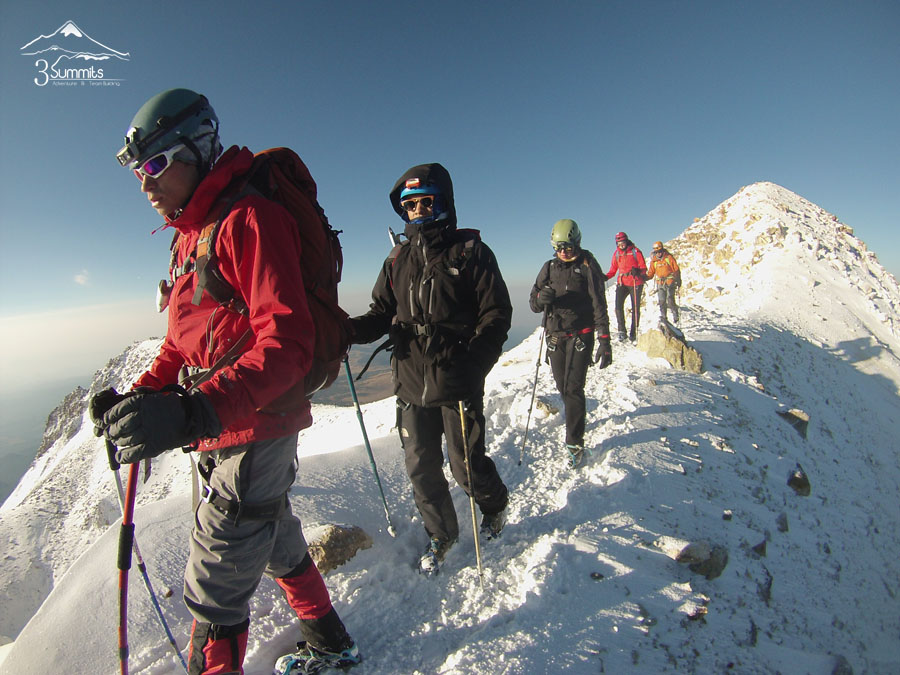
(114, 465)
(635, 310)
(126, 543)
(537, 367)
(362, 426)
(462, 423)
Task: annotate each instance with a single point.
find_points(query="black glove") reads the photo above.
(464, 380)
(99, 404)
(148, 423)
(604, 351)
(545, 297)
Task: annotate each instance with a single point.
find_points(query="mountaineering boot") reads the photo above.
(308, 659)
(622, 336)
(492, 524)
(576, 455)
(430, 562)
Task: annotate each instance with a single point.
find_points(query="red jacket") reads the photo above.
(629, 265)
(259, 255)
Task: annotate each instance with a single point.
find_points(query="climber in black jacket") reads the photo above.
(570, 288)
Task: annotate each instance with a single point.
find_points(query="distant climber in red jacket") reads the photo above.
(630, 270)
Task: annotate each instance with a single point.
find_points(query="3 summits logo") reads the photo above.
(71, 57)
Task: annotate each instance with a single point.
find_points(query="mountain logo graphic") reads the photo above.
(71, 57)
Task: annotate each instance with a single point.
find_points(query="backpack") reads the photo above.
(280, 175)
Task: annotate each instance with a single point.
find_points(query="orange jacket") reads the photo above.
(664, 268)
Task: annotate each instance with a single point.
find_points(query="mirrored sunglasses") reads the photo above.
(412, 204)
(157, 165)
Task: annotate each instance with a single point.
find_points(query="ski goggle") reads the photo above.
(411, 205)
(156, 166)
(564, 246)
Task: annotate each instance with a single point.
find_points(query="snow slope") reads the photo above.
(789, 311)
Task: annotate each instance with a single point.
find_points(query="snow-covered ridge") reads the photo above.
(789, 311)
(767, 248)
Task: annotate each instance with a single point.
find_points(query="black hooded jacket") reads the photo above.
(442, 299)
(580, 287)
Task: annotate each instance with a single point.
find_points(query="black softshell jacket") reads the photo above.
(442, 299)
(580, 287)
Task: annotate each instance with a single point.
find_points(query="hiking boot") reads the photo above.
(576, 455)
(492, 524)
(308, 659)
(430, 562)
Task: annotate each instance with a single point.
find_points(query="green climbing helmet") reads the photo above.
(170, 117)
(565, 231)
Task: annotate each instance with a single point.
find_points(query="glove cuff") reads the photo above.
(202, 416)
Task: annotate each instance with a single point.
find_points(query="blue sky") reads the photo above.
(635, 116)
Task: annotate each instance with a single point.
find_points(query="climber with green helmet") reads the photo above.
(570, 290)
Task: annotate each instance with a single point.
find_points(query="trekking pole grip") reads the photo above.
(111, 455)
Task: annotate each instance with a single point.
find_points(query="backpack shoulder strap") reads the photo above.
(469, 235)
(392, 256)
(209, 276)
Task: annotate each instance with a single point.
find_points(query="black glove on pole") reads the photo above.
(545, 297)
(148, 423)
(98, 406)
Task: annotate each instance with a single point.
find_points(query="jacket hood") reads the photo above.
(433, 174)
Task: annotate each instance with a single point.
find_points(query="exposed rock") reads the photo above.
(668, 342)
(65, 420)
(782, 522)
(796, 418)
(799, 481)
(675, 547)
(841, 666)
(696, 552)
(700, 556)
(764, 589)
(713, 566)
(545, 408)
(760, 549)
(330, 546)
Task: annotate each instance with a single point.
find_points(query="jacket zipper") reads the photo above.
(425, 307)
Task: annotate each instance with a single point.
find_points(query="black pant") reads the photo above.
(569, 365)
(633, 292)
(666, 296)
(420, 435)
